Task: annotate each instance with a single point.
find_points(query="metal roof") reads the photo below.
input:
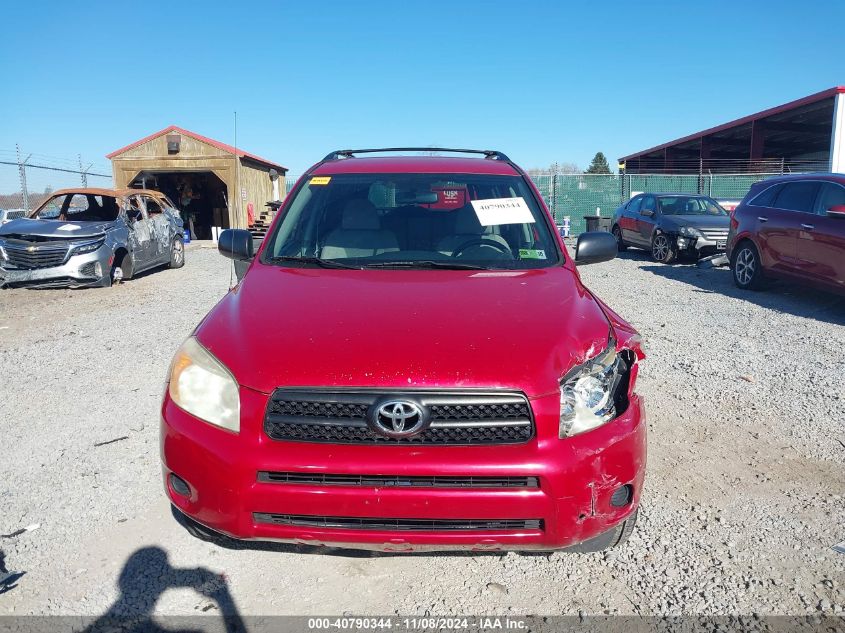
(219, 145)
(819, 96)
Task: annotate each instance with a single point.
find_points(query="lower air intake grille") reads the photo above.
(346, 417)
(399, 525)
(89, 270)
(397, 481)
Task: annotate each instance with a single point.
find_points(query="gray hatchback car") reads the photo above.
(91, 237)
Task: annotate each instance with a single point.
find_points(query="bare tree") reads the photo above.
(555, 168)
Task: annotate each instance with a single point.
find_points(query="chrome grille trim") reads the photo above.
(27, 255)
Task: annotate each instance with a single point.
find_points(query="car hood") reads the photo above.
(700, 221)
(405, 328)
(54, 228)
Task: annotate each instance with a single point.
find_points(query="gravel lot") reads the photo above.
(745, 493)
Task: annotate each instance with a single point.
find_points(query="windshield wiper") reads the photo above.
(426, 263)
(323, 263)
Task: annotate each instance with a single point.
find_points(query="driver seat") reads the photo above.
(467, 228)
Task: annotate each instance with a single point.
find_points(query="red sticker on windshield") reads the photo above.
(448, 198)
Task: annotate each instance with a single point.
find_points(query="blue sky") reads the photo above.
(542, 81)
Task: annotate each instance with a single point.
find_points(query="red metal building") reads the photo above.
(807, 134)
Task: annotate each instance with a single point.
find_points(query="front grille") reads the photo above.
(399, 525)
(456, 417)
(715, 235)
(26, 255)
(397, 481)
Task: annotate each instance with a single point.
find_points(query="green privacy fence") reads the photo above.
(578, 195)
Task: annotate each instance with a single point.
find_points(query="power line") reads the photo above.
(69, 171)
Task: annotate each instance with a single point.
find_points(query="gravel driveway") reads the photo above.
(745, 492)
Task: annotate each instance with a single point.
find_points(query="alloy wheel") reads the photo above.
(660, 248)
(618, 235)
(746, 266)
(178, 252)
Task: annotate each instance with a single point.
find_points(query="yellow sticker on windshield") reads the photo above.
(320, 180)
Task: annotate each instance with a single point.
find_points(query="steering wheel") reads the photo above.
(482, 241)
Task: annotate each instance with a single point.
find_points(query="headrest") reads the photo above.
(466, 222)
(359, 214)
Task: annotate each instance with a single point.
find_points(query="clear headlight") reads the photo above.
(202, 386)
(86, 247)
(689, 231)
(587, 392)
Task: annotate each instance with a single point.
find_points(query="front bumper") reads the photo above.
(77, 271)
(701, 245)
(577, 477)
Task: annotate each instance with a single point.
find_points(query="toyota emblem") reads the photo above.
(398, 418)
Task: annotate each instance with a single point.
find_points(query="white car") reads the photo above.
(7, 215)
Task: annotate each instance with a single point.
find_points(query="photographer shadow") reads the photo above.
(145, 576)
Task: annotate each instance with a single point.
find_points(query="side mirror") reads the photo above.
(236, 244)
(837, 211)
(594, 247)
(647, 213)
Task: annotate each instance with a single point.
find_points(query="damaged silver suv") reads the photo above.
(91, 237)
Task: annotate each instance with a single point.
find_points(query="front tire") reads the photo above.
(610, 539)
(620, 245)
(199, 531)
(127, 267)
(663, 250)
(746, 267)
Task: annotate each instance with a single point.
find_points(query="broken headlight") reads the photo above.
(588, 392)
(86, 247)
(202, 386)
(689, 231)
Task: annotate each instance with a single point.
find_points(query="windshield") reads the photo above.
(414, 221)
(78, 207)
(689, 205)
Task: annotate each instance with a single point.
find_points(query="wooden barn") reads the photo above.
(212, 183)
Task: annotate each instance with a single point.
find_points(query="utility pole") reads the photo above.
(22, 172)
(83, 171)
(237, 196)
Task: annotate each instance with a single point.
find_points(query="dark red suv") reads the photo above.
(410, 362)
(791, 227)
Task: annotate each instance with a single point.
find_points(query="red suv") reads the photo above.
(791, 227)
(410, 362)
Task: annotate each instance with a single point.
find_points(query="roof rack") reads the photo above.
(349, 153)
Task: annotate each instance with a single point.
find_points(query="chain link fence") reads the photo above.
(579, 195)
(27, 179)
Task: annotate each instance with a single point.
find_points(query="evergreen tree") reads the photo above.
(599, 165)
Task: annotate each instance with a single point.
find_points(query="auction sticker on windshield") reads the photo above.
(320, 180)
(497, 211)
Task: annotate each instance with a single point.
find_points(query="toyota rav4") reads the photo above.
(410, 362)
